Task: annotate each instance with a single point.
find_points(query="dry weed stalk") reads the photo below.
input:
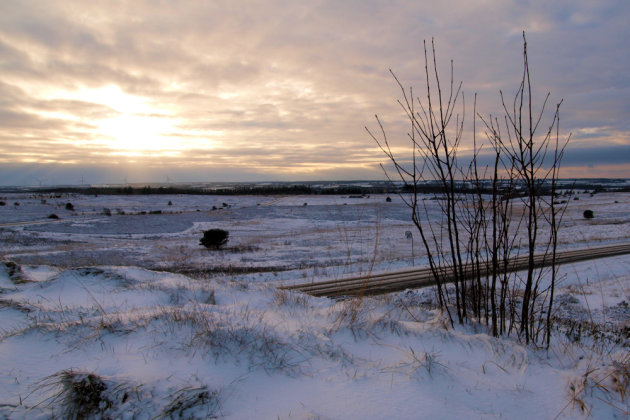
(607, 383)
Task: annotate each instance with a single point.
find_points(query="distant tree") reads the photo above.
(214, 238)
(388, 199)
(69, 206)
(588, 214)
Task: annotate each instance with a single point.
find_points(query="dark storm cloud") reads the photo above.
(604, 155)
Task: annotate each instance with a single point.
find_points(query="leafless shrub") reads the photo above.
(473, 243)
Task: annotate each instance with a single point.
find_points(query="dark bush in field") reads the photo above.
(107, 212)
(53, 216)
(588, 214)
(388, 199)
(69, 206)
(2, 203)
(214, 238)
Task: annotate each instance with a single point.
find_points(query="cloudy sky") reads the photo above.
(140, 91)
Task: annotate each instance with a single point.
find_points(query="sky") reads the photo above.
(178, 91)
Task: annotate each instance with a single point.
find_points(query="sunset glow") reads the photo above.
(211, 92)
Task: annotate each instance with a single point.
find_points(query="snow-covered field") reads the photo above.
(128, 312)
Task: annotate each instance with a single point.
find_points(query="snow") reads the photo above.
(133, 299)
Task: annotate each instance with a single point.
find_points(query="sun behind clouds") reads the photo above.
(137, 126)
(131, 133)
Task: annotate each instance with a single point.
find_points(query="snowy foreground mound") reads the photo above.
(126, 342)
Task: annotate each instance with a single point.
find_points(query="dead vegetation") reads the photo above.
(605, 379)
(79, 394)
(15, 273)
(76, 395)
(193, 403)
(481, 207)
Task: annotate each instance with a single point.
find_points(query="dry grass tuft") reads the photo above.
(86, 395)
(419, 365)
(290, 299)
(193, 403)
(80, 395)
(352, 313)
(15, 272)
(241, 335)
(605, 381)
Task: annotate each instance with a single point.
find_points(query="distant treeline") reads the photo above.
(236, 190)
(591, 186)
(515, 189)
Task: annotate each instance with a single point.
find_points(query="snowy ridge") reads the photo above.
(252, 351)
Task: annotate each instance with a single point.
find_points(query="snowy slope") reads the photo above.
(88, 323)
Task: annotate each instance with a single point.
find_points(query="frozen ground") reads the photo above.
(130, 312)
(329, 236)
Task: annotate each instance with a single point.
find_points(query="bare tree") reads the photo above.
(474, 242)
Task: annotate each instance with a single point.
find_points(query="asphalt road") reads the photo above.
(381, 283)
